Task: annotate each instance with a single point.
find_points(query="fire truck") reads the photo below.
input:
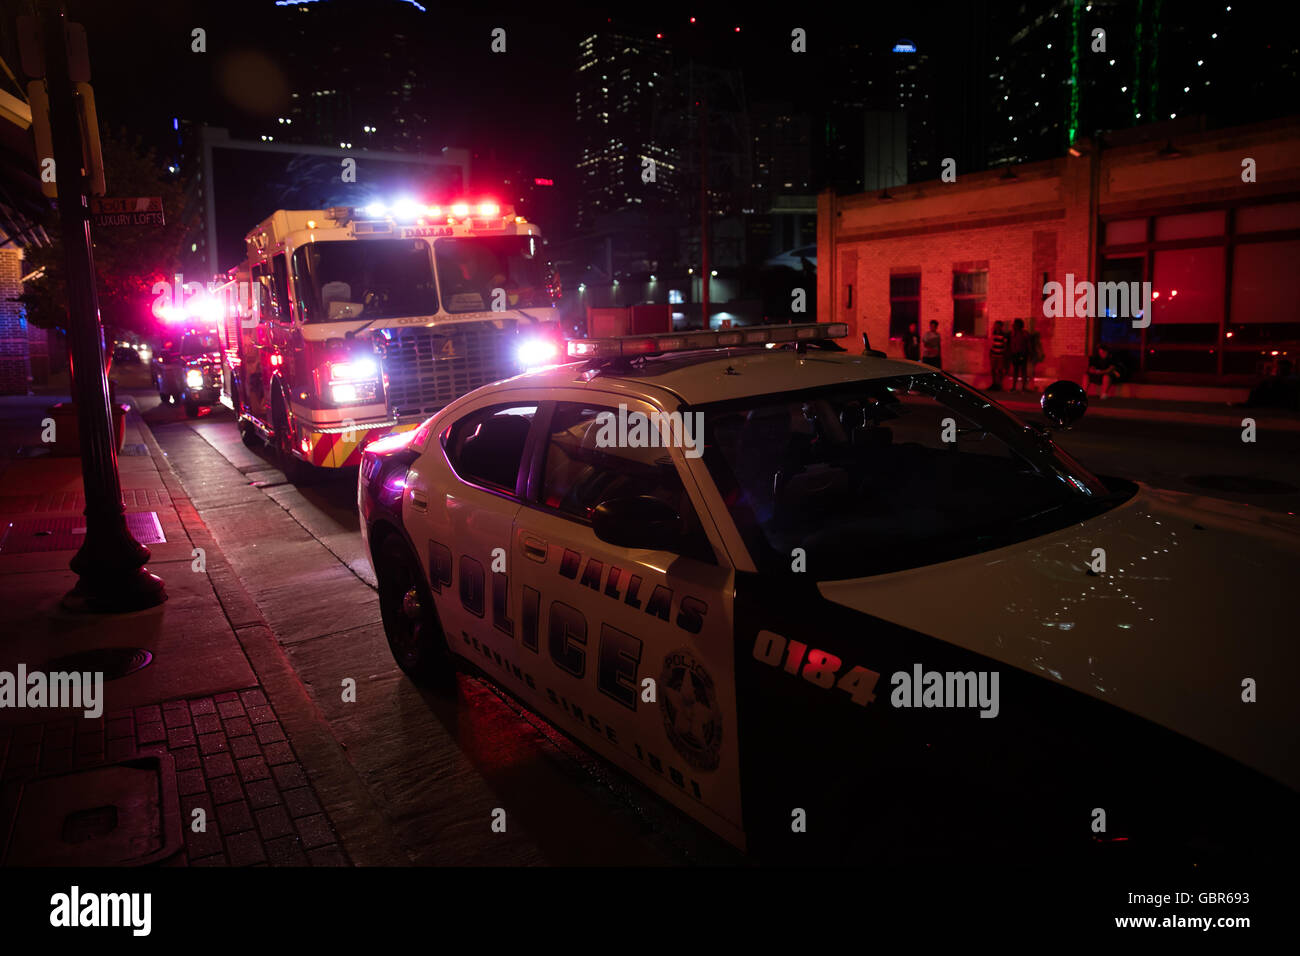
(346, 324)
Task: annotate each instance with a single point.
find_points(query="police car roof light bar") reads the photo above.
(630, 346)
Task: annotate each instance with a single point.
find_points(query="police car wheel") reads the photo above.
(410, 619)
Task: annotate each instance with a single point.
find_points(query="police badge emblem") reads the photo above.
(689, 704)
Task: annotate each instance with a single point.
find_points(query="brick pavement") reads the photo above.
(232, 760)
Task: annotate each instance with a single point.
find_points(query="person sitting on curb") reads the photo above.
(1102, 370)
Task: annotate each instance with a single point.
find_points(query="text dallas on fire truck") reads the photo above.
(364, 321)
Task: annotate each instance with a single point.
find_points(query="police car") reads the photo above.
(837, 606)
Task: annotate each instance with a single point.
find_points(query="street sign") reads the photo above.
(127, 211)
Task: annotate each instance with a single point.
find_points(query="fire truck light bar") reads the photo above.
(408, 210)
(631, 345)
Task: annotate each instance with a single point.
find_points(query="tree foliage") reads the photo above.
(128, 259)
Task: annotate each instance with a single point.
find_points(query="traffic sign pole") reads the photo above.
(110, 563)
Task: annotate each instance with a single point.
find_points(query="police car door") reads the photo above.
(460, 512)
(628, 650)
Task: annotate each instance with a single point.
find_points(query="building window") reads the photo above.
(970, 302)
(904, 303)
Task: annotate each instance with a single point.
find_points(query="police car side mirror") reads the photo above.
(1064, 403)
(638, 522)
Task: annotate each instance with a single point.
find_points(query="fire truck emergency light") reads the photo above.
(408, 210)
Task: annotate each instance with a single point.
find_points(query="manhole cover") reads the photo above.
(123, 814)
(25, 535)
(112, 662)
(1242, 484)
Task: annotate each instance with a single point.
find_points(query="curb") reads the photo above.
(358, 819)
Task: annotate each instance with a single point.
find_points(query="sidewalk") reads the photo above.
(1150, 409)
(214, 720)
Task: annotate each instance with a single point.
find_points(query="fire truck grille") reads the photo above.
(429, 368)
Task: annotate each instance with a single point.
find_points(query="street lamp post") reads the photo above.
(110, 563)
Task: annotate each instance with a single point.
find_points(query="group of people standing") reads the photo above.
(1010, 350)
(1007, 351)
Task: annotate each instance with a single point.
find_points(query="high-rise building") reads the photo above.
(783, 151)
(357, 75)
(880, 125)
(1066, 69)
(621, 163)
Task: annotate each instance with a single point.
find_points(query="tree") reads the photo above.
(128, 259)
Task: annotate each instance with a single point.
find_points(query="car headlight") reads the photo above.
(350, 393)
(194, 378)
(355, 370)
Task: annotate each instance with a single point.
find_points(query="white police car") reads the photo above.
(839, 606)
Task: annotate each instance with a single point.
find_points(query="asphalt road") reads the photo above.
(439, 765)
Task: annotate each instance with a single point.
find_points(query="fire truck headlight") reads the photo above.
(356, 370)
(535, 352)
(376, 210)
(194, 378)
(343, 394)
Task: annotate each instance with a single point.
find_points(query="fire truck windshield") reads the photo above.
(370, 279)
(471, 269)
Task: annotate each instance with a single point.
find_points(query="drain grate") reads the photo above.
(134, 448)
(28, 535)
(112, 662)
(1242, 484)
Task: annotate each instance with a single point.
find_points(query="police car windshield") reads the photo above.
(888, 474)
(365, 279)
(471, 270)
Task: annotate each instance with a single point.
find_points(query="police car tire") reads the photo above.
(417, 643)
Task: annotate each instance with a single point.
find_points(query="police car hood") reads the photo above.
(1198, 595)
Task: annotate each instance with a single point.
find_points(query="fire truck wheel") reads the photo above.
(191, 409)
(410, 618)
(249, 435)
(296, 471)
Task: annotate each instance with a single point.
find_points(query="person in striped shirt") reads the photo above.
(998, 355)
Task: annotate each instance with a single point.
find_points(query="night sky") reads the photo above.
(522, 102)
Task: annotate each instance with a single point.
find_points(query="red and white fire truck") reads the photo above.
(350, 323)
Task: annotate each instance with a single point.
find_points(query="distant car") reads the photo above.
(126, 355)
(187, 369)
(858, 611)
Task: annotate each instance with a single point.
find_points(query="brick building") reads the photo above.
(1159, 205)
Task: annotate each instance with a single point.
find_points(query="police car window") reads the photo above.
(485, 447)
(370, 279)
(887, 474)
(581, 470)
(471, 269)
